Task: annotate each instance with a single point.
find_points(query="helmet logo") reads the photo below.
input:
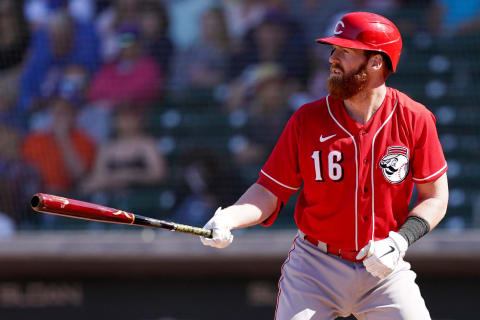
(337, 27)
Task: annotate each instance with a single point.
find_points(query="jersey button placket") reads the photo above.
(361, 137)
(364, 164)
(364, 169)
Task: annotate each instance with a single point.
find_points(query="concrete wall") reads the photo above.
(145, 274)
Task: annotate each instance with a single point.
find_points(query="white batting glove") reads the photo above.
(383, 256)
(221, 225)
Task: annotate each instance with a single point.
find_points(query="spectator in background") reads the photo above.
(18, 181)
(8, 99)
(204, 65)
(315, 88)
(154, 25)
(208, 181)
(130, 159)
(132, 77)
(409, 17)
(61, 43)
(119, 13)
(316, 16)
(243, 15)
(39, 12)
(185, 19)
(73, 83)
(267, 110)
(13, 45)
(15, 35)
(63, 154)
(70, 84)
(450, 17)
(276, 39)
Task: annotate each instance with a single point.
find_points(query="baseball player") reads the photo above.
(354, 156)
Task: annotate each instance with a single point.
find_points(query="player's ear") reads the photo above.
(376, 62)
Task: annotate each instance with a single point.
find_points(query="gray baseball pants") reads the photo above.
(315, 285)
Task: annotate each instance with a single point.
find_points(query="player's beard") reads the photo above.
(348, 85)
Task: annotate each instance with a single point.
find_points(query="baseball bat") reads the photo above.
(48, 203)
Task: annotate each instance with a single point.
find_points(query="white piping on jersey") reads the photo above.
(373, 164)
(283, 185)
(432, 175)
(356, 172)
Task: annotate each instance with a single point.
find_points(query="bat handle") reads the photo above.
(193, 230)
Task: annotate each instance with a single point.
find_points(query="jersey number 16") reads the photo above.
(335, 170)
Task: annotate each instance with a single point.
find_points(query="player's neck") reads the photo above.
(362, 107)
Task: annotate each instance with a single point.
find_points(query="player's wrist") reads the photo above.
(414, 228)
(223, 219)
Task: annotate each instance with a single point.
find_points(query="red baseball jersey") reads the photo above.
(356, 180)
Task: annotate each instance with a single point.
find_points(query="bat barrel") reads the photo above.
(47, 203)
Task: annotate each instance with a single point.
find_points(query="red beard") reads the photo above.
(348, 85)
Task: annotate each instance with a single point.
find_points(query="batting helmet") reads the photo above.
(367, 31)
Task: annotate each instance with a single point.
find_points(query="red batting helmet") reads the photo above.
(367, 31)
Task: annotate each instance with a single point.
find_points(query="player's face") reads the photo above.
(348, 74)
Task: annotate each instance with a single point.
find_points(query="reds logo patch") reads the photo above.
(395, 164)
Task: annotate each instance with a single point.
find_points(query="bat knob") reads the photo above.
(35, 202)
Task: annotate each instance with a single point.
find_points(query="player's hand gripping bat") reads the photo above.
(47, 203)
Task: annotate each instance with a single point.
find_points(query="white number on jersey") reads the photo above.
(317, 161)
(335, 170)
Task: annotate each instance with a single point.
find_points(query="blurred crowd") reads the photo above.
(81, 81)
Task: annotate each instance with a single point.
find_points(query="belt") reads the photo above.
(327, 248)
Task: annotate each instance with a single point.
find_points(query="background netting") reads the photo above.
(169, 108)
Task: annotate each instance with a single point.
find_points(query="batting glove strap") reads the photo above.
(400, 242)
